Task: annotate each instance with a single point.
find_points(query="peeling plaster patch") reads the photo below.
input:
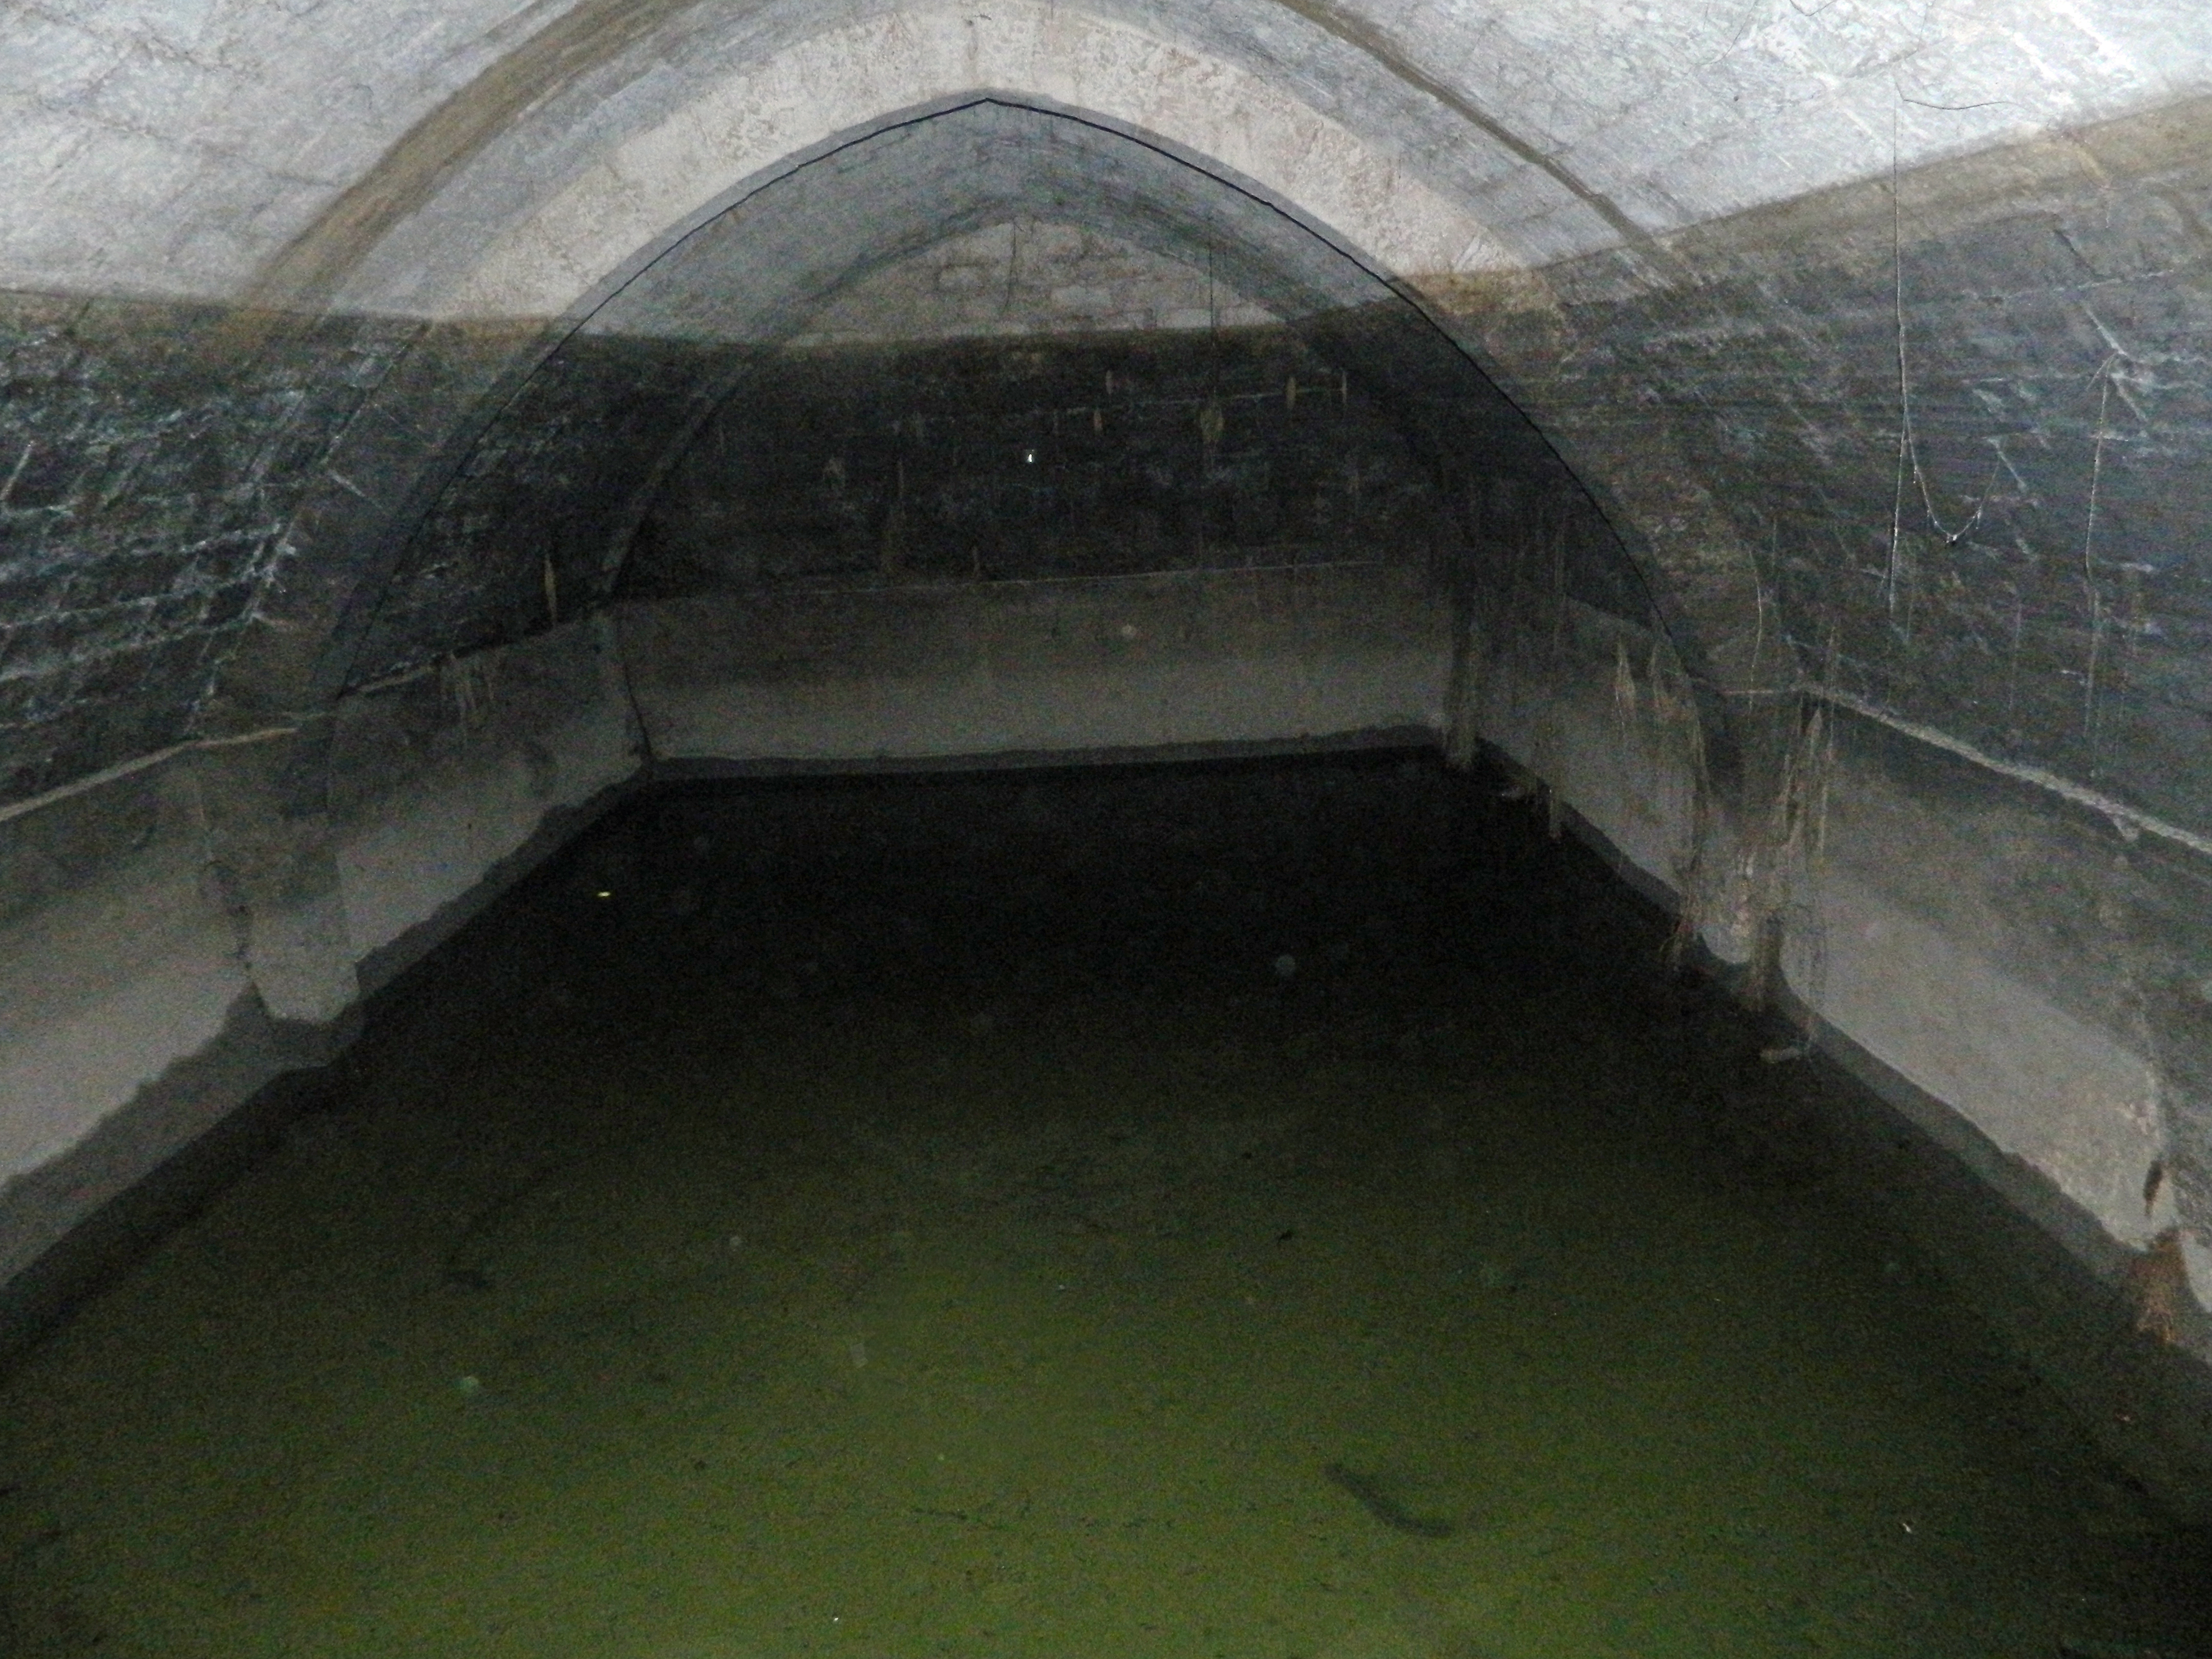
(2046, 1087)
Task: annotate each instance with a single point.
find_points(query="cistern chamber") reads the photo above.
(1282, 1207)
(1307, 828)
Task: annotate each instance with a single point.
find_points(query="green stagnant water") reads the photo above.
(1255, 1213)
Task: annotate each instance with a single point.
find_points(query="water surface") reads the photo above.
(1248, 1213)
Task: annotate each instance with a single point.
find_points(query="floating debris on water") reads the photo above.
(1375, 1497)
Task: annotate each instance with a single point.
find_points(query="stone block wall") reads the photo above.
(152, 457)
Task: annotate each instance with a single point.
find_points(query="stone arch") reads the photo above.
(756, 270)
(529, 287)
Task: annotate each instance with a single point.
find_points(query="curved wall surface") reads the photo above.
(1781, 431)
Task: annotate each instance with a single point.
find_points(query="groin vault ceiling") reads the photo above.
(1745, 265)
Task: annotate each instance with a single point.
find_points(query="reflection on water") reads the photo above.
(1255, 1213)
